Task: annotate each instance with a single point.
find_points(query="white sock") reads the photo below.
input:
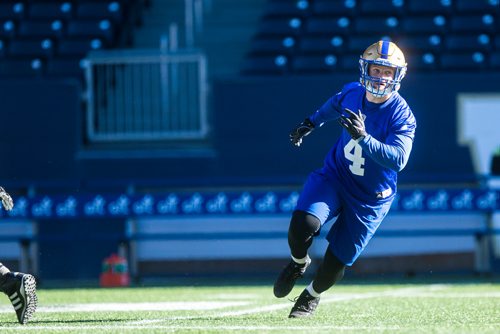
(301, 261)
(311, 291)
(3, 270)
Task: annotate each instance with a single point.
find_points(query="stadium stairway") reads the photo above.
(227, 29)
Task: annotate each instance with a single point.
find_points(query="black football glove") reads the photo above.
(7, 201)
(302, 130)
(354, 124)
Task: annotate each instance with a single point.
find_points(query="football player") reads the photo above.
(357, 182)
(19, 287)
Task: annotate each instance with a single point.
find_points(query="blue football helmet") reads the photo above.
(382, 53)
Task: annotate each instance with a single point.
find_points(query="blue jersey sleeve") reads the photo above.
(395, 152)
(332, 108)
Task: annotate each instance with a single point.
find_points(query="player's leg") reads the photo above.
(21, 290)
(329, 272)
(302, 228)
(348, 238)
(316, 202)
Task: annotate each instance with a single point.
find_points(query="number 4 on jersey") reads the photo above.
(353, 152)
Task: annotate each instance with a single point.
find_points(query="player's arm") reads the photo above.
(392, 154)
(327, 112)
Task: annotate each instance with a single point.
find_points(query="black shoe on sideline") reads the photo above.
(21, 289)
(286, 280)
(304, 306)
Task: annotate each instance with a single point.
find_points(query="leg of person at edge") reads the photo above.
(357, 182)
(19, 287)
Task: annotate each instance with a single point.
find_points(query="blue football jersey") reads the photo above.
(368, 168)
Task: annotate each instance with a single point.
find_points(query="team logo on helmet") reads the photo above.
(382, 53)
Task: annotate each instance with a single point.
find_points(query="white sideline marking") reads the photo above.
(124, 307)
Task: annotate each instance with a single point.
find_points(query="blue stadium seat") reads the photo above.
(100, 10)
(21, 67)
(481, 6)
(41, 28)
(266, 65)
(34, 48)
(382, 25)
(437, 7)
(358, 43)
(334, 7)
(469, 42)
(12, 10)
(92, 28)
(425, 24)
(280, 26)
(66, 67)
(79, 46)
(318, 44)
(495, 59)
(329, 25)
(423, 43)
(497, 42)
(61, 10)
(350, 62)
(299, 8)
(7, 28)
(473, 23)
(383, 7)
(3, 48)
(422, 60)
(466, 60)
(315, 64)
(273, 45)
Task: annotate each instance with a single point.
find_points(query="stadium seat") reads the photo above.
(315, 64)
(3, 53)
(433, 24)
(480, 6)
(423, 43)
(495, 59)
(266, 65)
(438, 7)
(422, 61)
(384, 25)
(468, 42)
(329, 25)
(78, 46)
(299, 8)
(466, 60)
(66, 67)
(51, 10)
(318, 44)
(100, 10)
(12, 10)
(7, 28)
(473, 23)
(383, 7)
(350, 62)
(334, 7)
(497, 42)
(280, 26)
(34, 48)
(270, 46)
(358, 43)
(21, 67)
(41, 28)
(92, 28)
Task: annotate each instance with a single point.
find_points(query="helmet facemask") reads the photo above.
(382, 53)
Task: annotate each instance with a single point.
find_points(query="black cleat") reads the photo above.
(21, 289)
(305, 304)
(286, 280)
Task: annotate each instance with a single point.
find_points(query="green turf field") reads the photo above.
(347, 308)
